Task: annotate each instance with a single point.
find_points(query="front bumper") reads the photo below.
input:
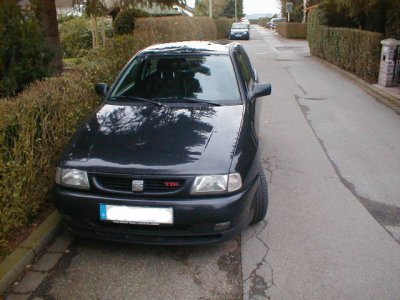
(243, 36)
(194, 218)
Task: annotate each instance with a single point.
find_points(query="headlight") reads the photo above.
(216, 183)
(72, 178)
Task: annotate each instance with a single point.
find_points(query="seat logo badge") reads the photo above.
(137, 185)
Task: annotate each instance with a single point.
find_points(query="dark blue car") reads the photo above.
(172, 155)
(239, 31)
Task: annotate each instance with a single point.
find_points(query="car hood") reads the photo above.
(147, 139)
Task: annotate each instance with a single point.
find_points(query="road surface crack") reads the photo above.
(259, 284)
(270, 166)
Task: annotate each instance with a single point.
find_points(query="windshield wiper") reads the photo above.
(188, 99)
(137, 99)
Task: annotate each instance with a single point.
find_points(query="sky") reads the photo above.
(254, 6)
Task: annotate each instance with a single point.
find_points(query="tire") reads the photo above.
(260, 200)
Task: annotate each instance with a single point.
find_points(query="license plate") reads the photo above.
(144, 215)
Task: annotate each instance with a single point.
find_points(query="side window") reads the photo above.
(130, 78)
(245, 67)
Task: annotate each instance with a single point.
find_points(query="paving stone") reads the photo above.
(47, 262)
(18, 297)
(61, 244)
(29, 283)
(13, 266)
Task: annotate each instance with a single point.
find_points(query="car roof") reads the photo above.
(188, 48)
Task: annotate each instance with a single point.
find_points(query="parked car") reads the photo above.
(172, 155)
(247, 22)
(239, 30)
(274, 21)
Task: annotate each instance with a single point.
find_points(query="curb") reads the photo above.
(374, 90)
(14, 264)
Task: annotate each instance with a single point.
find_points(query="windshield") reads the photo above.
(239, 26)
(209, 78)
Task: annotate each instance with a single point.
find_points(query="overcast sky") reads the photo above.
(254, 6)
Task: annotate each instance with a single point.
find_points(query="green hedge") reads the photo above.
(76, 35)
(223, 27)
(354, 50)
(292, 30)
(125, 21)
(36, 125)
(24, 54)
(393, 23)
(171, 29)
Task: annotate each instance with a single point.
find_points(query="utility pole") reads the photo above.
(210, 6)
(236, 18)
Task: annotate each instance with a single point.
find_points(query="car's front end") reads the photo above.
(177, 217)
(159, 182)
(162, 169)
(239, 31)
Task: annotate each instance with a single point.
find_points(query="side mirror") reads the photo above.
(101, 89)
(260, 90)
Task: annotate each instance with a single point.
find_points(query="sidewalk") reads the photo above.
(390, 96)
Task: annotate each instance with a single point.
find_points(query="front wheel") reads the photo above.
(260, 200)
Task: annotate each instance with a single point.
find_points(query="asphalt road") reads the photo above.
(332, 153)
(332, 156)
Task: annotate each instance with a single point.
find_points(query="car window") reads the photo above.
(245, 67)
(239, 26)
(205, 77)
(129, 78)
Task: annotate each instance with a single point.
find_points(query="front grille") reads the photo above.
(153, 185)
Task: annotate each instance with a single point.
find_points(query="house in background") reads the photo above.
(63, 7)
(160, 11)
(68, 8)
(156, 10)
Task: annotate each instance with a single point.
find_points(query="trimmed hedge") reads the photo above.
(354, 50)
(171, 29)
(223, 27)
(292, 30)
(36, 125)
